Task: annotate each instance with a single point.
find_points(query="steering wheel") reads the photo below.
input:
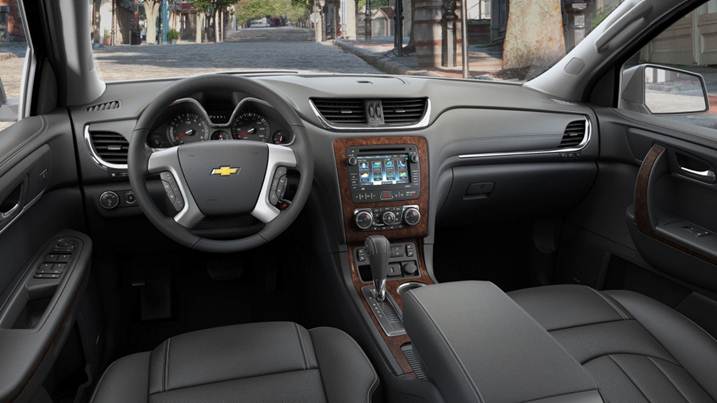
(220, 178)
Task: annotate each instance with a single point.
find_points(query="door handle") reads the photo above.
(4, 215)
(707, 174)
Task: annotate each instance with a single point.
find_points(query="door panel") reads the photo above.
(40, 208)
(649, 222)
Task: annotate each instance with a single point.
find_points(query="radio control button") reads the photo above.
(352, 161)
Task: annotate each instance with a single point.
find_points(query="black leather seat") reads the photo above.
(262, 362)
(637, 349)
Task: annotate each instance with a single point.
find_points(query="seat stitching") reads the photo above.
(94, 394)
(669, 379)
(166, 365)
(375, 381)
(557, 329)
(622, 312)
(450, 347)
(234, 379)
(684, 317)
(562, 394)
(629, 378)
(318, 368)
(301, 345)
(628, 353)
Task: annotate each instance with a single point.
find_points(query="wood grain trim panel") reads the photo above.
(393, 343)
(642, 189)
(348, 206)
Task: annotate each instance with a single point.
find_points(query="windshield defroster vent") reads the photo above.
(110, 148)
(574, 134)
(342, 111)
(104, 106)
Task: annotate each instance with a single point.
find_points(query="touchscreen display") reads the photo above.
(383, 169)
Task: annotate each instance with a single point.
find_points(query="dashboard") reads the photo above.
(189, 120)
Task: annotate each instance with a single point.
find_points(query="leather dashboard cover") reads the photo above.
(478, 345)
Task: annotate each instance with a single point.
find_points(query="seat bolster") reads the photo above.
(125, 380)
(346, 372)
(694, 348)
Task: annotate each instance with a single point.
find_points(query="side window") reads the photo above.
(13, 47)
(674, 76)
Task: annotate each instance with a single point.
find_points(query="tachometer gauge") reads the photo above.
(187, 127)
(250, 126)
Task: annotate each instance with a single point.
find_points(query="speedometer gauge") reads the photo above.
(250, 126)
(187, 127)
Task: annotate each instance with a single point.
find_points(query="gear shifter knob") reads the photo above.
(379, 250)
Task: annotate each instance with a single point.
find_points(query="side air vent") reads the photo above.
(342, 111)
(403, 111)
(109, 148)
(574, 134)
(104, 106)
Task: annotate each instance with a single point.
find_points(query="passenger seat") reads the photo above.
(258, 362)
(637, 349)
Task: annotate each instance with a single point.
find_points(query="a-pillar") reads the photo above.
(428, 32)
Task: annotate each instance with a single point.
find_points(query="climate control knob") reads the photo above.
(363, 219)
(411, 216)
(389, 218)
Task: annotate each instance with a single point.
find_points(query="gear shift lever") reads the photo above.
(379, 250)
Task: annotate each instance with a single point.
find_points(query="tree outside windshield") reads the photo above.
(511, 40)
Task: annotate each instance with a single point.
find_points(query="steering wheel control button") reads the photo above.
(411, 216)
(172, 190)
(278, 186)
(363, 219)
(109, 200)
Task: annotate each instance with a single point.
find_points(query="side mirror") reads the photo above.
(656, 90)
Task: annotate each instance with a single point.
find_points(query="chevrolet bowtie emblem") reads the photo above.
(225, 171)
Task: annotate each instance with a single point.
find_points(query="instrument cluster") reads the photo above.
(187, 121)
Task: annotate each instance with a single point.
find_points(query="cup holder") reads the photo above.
(409, 286)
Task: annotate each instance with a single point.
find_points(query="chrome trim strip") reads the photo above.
(707, 174)
(96, 158)
(579, 147)
(420, 125)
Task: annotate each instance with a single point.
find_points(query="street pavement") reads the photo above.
(139, 62)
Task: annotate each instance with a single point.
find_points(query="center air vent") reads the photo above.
(109, 148)
(403, 111)
(341, 113)
(574, 134)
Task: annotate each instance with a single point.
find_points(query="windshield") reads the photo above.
(513, 40)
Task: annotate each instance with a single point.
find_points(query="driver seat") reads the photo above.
(258, 362)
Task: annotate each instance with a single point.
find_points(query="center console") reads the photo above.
(384, 192)
(480, 345)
